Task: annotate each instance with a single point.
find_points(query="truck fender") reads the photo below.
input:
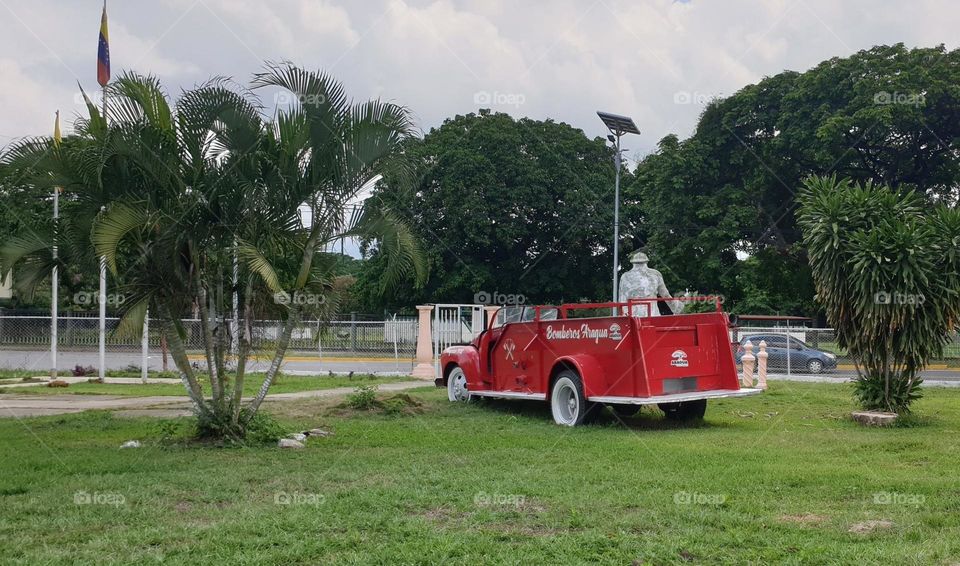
(586, 366)
(467, 357)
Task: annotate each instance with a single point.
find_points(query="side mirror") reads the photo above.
(734, 319)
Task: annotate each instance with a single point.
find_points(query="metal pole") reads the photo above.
(103, 285)
(103, 318)
(55, 283)
(789, 346)
(144, 346)
(353, 332)
(235, 338)
(396, 351)
(616, 221)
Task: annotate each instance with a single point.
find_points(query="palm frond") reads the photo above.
(112, 226)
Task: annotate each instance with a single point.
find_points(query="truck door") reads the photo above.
(516, 355)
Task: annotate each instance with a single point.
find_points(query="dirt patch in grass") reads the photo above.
(398, 404)
(867, 527)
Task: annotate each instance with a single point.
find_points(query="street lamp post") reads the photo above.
(618, 126)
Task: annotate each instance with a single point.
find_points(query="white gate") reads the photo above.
(454, 324)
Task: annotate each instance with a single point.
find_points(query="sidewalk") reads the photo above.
(159, 406)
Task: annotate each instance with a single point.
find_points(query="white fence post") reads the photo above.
(145, 346)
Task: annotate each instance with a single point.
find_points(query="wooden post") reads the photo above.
(748, 362)
(424, 367)
(762, 365)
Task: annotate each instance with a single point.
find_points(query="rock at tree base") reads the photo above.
(874, 418)
(289, 443)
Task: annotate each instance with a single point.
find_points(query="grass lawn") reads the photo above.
(251, 384)
(782, 477)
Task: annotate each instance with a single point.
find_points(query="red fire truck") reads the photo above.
(580, 357)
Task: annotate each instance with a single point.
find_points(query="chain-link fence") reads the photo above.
(804, 350)
(25, 340)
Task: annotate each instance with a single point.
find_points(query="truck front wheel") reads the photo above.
(567, 401)
(457, 386)
(684, 410)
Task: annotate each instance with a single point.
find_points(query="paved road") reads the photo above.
(22, 405)
(40, 361)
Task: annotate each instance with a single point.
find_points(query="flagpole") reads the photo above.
(103, 78)
(55, 283)
(103, 283)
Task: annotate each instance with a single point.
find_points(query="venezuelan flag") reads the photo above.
(103, 50)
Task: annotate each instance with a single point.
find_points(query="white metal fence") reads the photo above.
(25, 340)
(454, 324)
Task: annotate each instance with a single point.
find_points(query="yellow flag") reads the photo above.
(57, 138)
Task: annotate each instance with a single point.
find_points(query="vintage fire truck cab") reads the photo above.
(579, 357)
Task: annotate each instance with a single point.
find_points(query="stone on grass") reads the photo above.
(131, 444)
(874, 418)
(317, 432)
(299, 437)
(289, 443)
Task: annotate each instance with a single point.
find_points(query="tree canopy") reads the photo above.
(887, 115)
(510, 206)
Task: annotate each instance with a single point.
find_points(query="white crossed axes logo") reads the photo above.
(509, 346)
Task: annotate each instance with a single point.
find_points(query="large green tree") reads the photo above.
(509, 206)
(888, 114)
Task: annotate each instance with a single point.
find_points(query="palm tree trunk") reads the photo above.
(309, 250)
(172, 329)
(243, 351)
(208, 344)
(282, 345)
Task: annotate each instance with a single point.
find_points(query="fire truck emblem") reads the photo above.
(615, 332)
(509, 346)
(679, 359)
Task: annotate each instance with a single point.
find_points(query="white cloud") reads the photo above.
(563, 59)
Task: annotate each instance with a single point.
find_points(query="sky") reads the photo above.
(658, 61)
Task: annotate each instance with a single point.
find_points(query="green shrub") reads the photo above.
(363, 398)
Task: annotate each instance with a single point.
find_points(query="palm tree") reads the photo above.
(195, 203)
(886, 266)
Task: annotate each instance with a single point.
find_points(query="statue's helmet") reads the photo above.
(639, 257)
